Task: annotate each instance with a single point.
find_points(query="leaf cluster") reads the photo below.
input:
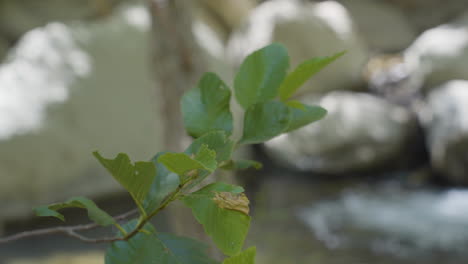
(263, 87)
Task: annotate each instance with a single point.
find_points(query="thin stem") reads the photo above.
(69, 231)
(121, 229)
(72, 230)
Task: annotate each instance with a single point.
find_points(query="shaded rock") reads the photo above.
(307, 30)
(3, 48)
(66, 91)
(383, 26)
(424, 14)
(360, 132)
(445, 119)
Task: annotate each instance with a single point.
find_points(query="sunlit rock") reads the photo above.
(68, 90)
(383, 26)
(39, 72)
(307, 30)
(445, 119)
(360, 132)
(440, 54)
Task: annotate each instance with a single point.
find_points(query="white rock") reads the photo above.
(360, 132)
(445, 120)
(307, 30)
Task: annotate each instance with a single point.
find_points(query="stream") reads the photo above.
(301, 219)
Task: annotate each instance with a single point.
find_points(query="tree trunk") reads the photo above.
(178, 63)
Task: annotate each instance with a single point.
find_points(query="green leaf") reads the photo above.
(304, 72)
(151, 247)
(301, 114)
(206, 107)
(261, 75)
(186, 250)
(181, 163)
(224, 220)
(215, 140)
(241, 165)
(264, 121)
(94, 213)
(163, 184)
(246, 257)
(207, 157)
(137, 179)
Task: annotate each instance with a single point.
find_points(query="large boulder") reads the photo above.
(307, 30)
(445, 120)
(383, 26)
(68, 90)
(440, 54)
(360, 132)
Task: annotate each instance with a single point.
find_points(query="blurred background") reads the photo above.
(382, 179)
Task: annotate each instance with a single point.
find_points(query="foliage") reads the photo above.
(221, 208)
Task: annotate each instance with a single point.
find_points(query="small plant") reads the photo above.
(263, 88)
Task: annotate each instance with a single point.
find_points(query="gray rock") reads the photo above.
(383, 26)
(66, 91)
(307, 30)
(360, 132)
(445, 120)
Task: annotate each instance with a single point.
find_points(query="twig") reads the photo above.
(69, 231)
(72, 230)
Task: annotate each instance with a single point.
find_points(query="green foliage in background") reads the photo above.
(263, 88)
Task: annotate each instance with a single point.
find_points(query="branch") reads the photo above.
(69, 231)
(72, 230)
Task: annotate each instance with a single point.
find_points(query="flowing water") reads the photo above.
(299, 220)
